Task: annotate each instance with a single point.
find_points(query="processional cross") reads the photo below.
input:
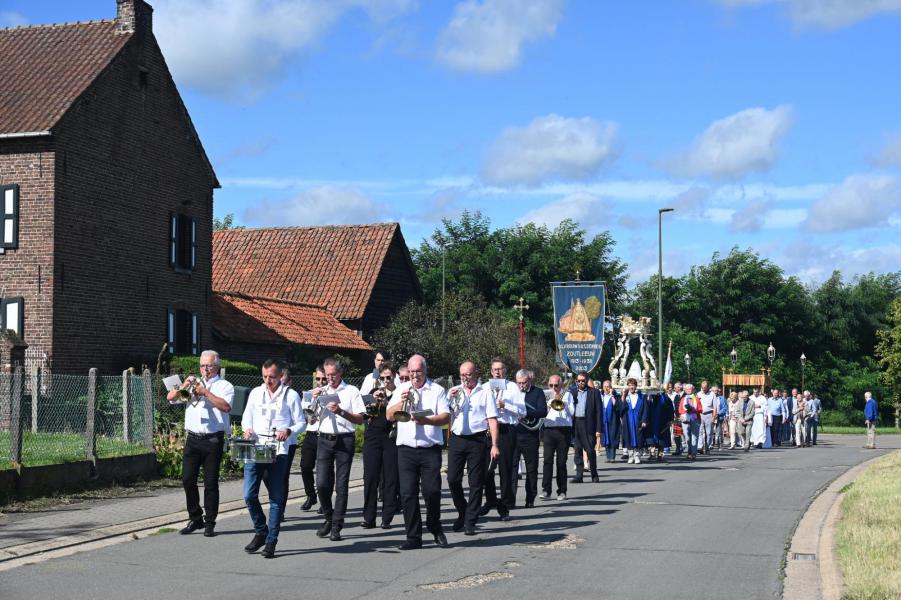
(521, 307)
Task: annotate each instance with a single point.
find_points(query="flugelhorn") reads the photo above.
(313, 413)
(557, 402)
(405, 413)
(186, 393)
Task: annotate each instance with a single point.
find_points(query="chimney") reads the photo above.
(134, 16)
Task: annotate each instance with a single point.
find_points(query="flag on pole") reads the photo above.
(668, 372)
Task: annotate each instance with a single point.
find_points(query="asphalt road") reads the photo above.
(717, 528)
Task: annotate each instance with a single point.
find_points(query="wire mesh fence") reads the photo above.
(50, 419)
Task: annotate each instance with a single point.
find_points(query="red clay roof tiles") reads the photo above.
(332, 266)
(246, 319)
(45, 68)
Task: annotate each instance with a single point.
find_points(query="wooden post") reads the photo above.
(148, 409)
(126, 405)
(90, 434)
(17, 382)
(35, 396)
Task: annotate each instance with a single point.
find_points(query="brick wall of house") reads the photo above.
(28, 270)
(396, 285)
(126, 158)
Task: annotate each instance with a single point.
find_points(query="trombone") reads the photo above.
(405, 414)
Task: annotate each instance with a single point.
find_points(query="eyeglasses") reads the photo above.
(319, 378)
(581, 381)
(386, 378)
(403, 378)
(553, 385)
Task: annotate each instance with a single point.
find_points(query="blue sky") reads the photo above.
(770, 124)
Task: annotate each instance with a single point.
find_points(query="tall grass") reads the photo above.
(869, 533)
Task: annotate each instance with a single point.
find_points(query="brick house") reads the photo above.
(106, 196)
(361, 273)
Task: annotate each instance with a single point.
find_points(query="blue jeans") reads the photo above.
(273, 475)
(690, 433)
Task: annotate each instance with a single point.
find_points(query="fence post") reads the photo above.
(148, 409)
(35, 396)
(126, 405)
(90, 441)
(17, 382)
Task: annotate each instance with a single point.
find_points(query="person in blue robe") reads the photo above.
(634, 412)
(610, 418)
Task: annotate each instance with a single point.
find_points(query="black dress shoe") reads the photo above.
(386, 525)
(209, 530)
(440, 539)
(367, 525)
(595, 480)
(458, 524)
(577, 480)
(258, 541)
(530, 505)
(410, 545)
(325, 529)
(308, 503)
(191, 527)
(506, 517)
(486, 508)
(335, 535)
(320, 511)
(470, 531)
(268, 551)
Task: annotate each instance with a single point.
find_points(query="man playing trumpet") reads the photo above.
(206, 424)
(558, 433)
(473, 412)
(380, 454)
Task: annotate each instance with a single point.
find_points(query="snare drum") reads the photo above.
(247, 452)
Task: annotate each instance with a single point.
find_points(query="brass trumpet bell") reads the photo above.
(557, 403)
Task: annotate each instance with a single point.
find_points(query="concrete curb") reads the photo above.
(34, 552)
(812, 569)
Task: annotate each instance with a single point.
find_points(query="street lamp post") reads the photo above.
(660, 287)
(688, 365)
(733, 356)
(803, 364)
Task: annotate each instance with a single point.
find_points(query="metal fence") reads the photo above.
(50, 419)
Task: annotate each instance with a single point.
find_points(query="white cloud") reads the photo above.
(736, 145)
(488, 36)
(549, 147)
(238, 48)
(814, 262)
(323, 205)
(587, 210)
(827, 14)
(859, 201)
(691, 202)
(9, 18)
(890, 153)
(750, 218)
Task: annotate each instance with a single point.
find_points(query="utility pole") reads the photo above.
(660, 287)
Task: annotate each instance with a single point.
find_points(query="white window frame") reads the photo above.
(9, 216)
(19, 325)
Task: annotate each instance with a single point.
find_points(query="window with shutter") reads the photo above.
(195, 333)
(182, 242)
(9, 216)
(183, 331)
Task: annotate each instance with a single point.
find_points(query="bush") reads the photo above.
(170, 446)
(191, 365)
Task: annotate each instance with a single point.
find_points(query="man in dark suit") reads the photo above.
(586, 426)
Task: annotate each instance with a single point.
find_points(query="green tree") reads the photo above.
(226, 222)
(888, 349)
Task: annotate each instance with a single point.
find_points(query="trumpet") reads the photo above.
(455, 400)
(374, 409)
(313, 413)
(405, 414)
(556, 402)
(186, 393)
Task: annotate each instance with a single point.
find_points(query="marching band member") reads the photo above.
(270, 407)
(509, 409)
(609, 420)
(586, 426)
(558, 433)
(474, 413)
(380, 456)
(308, 447)
(419, 443)
(371, 379)
(206, 425)
(527, 437)
(634, 411)
(335, 449)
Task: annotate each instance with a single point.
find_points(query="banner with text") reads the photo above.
(579, 322)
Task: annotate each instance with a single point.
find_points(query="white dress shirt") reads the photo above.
(708, 401)
(277, 410)
(369, 382)
(606, 399)
(350, 401)
(561, 418)
(514, 404)
(411, 433)
(472, 417)
(308, 404)
(203, 417)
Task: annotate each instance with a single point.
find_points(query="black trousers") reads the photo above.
(468, 450)
(308, 462)
(556, 449)
(206, 451)
(776, 430)
(292, 450)
(415, 465)
(527, 447)
(333, 460)
(506, 467)
(380, 468)
(583, 440)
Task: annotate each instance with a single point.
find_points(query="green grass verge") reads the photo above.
(57, 448)
(869, 533)
(861, 431)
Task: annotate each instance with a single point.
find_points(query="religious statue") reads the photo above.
(578, 328)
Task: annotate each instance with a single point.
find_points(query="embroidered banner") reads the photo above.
(579, 322)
